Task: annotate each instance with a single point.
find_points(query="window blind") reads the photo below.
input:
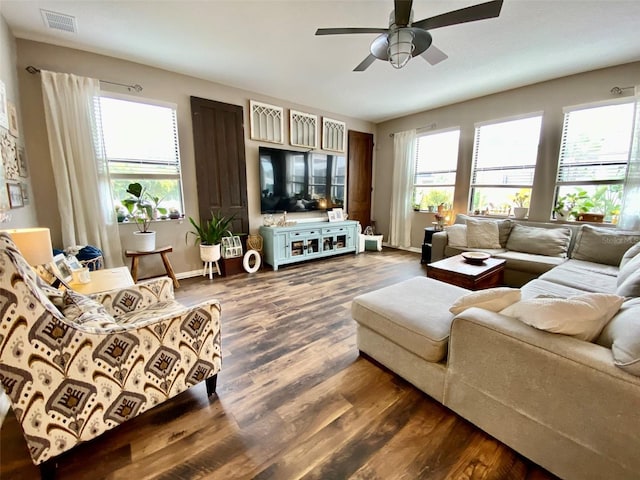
(505, 153)
(437, 158)
(596, 143)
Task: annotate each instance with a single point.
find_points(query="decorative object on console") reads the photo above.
(333, 135)
(303, 129)
(267, 122)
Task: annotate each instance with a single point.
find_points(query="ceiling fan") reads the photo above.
(405, 39)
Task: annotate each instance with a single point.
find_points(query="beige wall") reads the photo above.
(549, 97)
(23, 216)
(158, 84)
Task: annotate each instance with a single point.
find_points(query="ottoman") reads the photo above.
(406, 326)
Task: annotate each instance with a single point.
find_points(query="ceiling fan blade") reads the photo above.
(464, 15)
(343, 31)
(402, 9)
(365, 64)
(434, 55)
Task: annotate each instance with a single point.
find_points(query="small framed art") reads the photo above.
(61, 268)
(15, 195)
(13, 119)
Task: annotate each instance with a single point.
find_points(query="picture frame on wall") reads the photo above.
(22, 163)
(13, 119)
(4, 114)
(25, 193)
(15, 195)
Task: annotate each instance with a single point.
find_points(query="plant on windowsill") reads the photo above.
(141, 212)
(521, 202)
(572, 205)
(209, 234)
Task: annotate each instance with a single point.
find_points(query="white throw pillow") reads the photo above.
(581, 316)
(457, 235)
(493, 299)
(482, 234)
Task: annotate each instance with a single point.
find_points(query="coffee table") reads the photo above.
(457, 271)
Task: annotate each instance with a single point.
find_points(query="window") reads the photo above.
(436, 164)
(140, 141)
(596, 143)
(504, 162)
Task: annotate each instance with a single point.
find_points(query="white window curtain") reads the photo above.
(630, 211)
(80, 173)
(404, 144)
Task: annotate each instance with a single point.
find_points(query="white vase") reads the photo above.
(520, 212)
(210, 253)
(144, 241)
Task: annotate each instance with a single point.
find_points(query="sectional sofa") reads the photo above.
(569, 402)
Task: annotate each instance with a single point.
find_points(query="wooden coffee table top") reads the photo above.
(460, 266)
(457, 271)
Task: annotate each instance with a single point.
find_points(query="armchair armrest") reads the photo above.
(439, 241)
(139, 296)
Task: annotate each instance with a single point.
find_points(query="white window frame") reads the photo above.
(418, 173)
(473, 184)
(141, 177)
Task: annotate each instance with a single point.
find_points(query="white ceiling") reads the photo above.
(269, 46)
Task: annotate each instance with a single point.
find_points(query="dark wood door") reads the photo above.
(359, 175)
(218, 137)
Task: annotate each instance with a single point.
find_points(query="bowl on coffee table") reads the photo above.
(475, 258)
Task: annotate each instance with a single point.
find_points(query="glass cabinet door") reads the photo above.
(313, 246)
(297, 248)
(341, 241)
(327, 244)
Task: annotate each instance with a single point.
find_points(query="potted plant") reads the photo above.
(521, 202)
(141, 212)
(209, 234)
(572, 205)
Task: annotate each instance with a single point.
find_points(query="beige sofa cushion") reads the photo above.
(627, 268)
(413, 314)
(632, 252)
(553, 242)
(504, 227)
(581, 316)
(492, 299)
(457, 235)
(631, 286)
(603, 245)
(622, 335)
(529, 262)
(578, 274)
(482, 234)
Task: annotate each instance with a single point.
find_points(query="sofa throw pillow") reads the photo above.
(629, 268)
(602, 245)
(552, 242)
(630, 287)
(457, 235)
(482, 234)
(504, 227)
(581, 316)
(630, 254)
(622, 336)
(492, 299)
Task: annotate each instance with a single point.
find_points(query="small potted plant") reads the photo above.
(141, 212)
(572, 205)
(521, 202)
(209, 234)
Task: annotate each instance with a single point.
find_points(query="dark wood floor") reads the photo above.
(294, 398)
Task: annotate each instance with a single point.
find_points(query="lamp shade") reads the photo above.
(34, 244)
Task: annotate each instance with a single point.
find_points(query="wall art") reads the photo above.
(4, 114)
(15, 195)
(333, 134)
(267, 122)
(8, 154)
(13, 119)
(22, 163)
(303, 129)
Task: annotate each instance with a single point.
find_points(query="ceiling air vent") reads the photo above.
(59, 21)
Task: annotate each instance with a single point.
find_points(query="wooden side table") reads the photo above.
(135, 256)
(456, 271)
(103, 280)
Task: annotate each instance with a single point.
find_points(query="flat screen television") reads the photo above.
(292, 181)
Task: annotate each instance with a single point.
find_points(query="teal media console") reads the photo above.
(304, 241)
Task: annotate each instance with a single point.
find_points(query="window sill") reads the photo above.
(161, 220)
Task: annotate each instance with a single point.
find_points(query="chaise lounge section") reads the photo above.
(571, 405)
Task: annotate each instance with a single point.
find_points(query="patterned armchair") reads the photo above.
(75, 366)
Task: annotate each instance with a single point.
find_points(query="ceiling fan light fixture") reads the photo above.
(400, 47)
